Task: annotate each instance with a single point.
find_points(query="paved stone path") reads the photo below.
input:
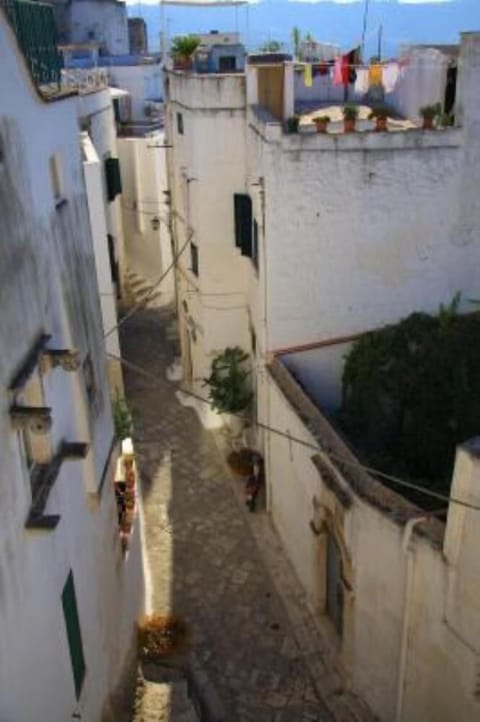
(263, 661)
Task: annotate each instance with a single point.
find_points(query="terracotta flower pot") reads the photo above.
(321, 125)
(349, 125)
(182, 63)
(130, 479)
(428, 123)
(380, 125)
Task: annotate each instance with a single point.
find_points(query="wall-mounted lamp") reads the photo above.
(155, 223)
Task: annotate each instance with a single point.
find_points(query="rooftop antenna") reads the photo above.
(365, 19)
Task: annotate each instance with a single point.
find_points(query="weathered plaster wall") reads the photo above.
(49, 284)
(362, 230)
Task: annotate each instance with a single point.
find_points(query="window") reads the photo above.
(113, 261)
(253, 341)
(255, 244)
(180, 123)
(56, 179)
(194, 258)
(229, 62)
(334, 583)
(113, 178)
(89, 378)
(74, 636)
(243, 223)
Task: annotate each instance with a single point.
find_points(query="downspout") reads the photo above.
(408, 552)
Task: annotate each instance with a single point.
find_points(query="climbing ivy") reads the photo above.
(411, 393)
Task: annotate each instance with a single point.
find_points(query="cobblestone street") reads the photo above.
(203, 549)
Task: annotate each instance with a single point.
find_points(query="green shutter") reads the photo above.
(243, 222)
(113, 178)
(74, 635)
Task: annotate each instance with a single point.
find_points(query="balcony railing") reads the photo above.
(34, 26)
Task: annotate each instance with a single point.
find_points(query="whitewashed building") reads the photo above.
(69, 596)
(293, 244)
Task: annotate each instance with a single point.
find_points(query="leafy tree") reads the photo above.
(296, 40)
(272, 46)
(411, 393)
(228, 382)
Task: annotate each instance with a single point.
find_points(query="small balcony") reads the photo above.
(34, 26)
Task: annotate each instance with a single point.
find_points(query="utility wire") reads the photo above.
(354, 464)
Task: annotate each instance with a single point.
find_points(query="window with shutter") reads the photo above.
(113, 178)
(74, 636)
(243, 223)
(255, 243)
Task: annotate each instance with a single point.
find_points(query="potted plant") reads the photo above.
(182, 49)
(229, 390)
(350, 115)
(292, 124)
(321, 123)
(241, 462)
(380, 116)
(429, 113)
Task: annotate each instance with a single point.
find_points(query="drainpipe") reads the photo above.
(408, 552)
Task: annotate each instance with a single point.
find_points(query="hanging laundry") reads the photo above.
(307, 75)
(390, 76)
(353, 60)
(323, 68)
(375, 74)
(345, 69)
(361, 83)
(337, 72)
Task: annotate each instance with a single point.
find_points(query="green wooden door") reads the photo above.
(72, 624)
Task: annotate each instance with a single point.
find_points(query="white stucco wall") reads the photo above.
(351, 239)
(144, 175)
(207, 166)
(101, 22)
(143, 81)
(421, 81)
(443, 638)
(49, 284)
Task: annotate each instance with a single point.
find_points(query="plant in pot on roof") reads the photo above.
(321, 122)
(292, 124)
(380, 116)
(182, 49)
(429, 113)
(350, 115)
(229, 389)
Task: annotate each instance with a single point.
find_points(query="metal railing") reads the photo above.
(34, 26)
(84, 80)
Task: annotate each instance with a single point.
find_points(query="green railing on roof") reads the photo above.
(34, 26)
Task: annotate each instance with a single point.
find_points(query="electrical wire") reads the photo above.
(152, 290)
(332, 455)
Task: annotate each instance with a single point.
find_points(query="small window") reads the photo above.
(227, 63)
(89, 378)
(194, 258)
(255, 244)
(253, 340)
(74, 635)
(56, 178)
(113, 178)
(180, 123)
(243, 223)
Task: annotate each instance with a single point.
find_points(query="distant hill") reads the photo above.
(337, 22)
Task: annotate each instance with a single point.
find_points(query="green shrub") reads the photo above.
(411, 393)
(122, 417)
(228, 382)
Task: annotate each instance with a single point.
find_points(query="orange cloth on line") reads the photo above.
(375, 74)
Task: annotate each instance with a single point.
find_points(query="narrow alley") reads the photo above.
(204, 557)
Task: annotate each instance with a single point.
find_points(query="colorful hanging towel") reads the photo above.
(390, 76)
(375, 74)
(337, 72)
(361, 83)
(307, 75)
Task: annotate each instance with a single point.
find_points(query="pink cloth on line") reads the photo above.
(337, 72)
